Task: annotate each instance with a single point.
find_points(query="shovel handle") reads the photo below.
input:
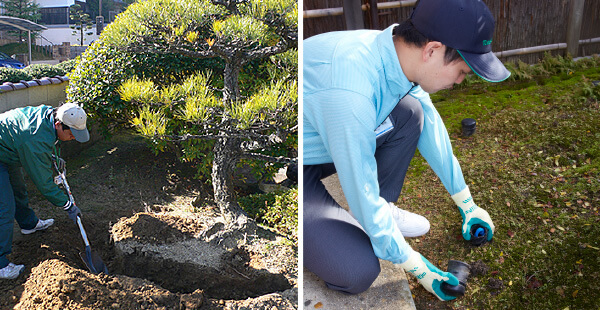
(83, 234)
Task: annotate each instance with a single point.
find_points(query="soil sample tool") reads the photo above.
(461, 271)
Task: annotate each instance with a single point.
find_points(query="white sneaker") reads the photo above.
(410, 224)
(11, 271)
(41, 225)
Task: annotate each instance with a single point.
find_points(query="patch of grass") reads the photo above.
(534, 165)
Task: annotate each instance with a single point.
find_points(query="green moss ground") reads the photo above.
(534, 165)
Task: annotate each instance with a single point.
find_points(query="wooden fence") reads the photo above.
(519, 23)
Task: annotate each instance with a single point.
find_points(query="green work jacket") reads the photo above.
(27, 139)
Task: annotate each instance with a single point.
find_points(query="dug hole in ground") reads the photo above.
(136, 211)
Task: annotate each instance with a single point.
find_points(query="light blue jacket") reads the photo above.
(352, 82)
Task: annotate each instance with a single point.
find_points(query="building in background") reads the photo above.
(55, 16)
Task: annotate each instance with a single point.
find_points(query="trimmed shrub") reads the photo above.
(14, 75)
(67, 66)
(38, 71)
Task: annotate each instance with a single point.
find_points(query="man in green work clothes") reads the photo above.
(28, 137)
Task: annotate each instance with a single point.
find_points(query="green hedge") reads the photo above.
(14, 75)
(35, 71)
(67, 66)
(38, 71)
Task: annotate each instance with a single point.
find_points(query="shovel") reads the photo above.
(91, 259)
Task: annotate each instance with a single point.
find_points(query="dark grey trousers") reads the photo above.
(336, 248)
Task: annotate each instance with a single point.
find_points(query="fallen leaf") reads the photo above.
(511, 234)
(559, 227)
(552, 230)
(318, 305)
(575, 293)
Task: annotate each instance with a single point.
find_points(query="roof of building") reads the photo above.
(14, 23)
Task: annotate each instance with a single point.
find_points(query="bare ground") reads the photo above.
(121, 181)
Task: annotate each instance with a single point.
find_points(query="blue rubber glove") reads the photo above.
(472, 215)
(430, 277)
(73, 211)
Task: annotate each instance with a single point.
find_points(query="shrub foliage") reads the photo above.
(44, 70)
(14, 75)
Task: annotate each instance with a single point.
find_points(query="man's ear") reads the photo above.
(57, 124)
(430, 49)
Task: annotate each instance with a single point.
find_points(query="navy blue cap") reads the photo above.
(468, 27)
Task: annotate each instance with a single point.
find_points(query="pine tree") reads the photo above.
(82, 20)
(238, 32)
(245, 110)
(25, 9)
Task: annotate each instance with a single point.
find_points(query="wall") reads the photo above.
(50, 91)
(57, 34)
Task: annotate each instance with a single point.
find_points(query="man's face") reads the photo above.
(63, 135)
(438, 75)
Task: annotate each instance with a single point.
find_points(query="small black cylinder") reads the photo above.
(468, 127)
(478, 235)
(461, 271)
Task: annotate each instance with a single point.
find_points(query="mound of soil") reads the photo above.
(55, 285)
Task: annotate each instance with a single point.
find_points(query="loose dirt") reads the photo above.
(137, 213)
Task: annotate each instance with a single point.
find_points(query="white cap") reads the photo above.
(74, 116)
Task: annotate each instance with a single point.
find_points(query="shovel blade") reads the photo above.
(93, 261)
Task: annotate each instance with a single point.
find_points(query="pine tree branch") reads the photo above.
(267, 158)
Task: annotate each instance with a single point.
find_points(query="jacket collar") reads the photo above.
(396, 80)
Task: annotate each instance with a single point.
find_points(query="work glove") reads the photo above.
(60, 163)
(73, 211)
(472, 214)
(430, 277)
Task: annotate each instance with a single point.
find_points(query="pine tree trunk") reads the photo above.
(231, 91)
(225, 158)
